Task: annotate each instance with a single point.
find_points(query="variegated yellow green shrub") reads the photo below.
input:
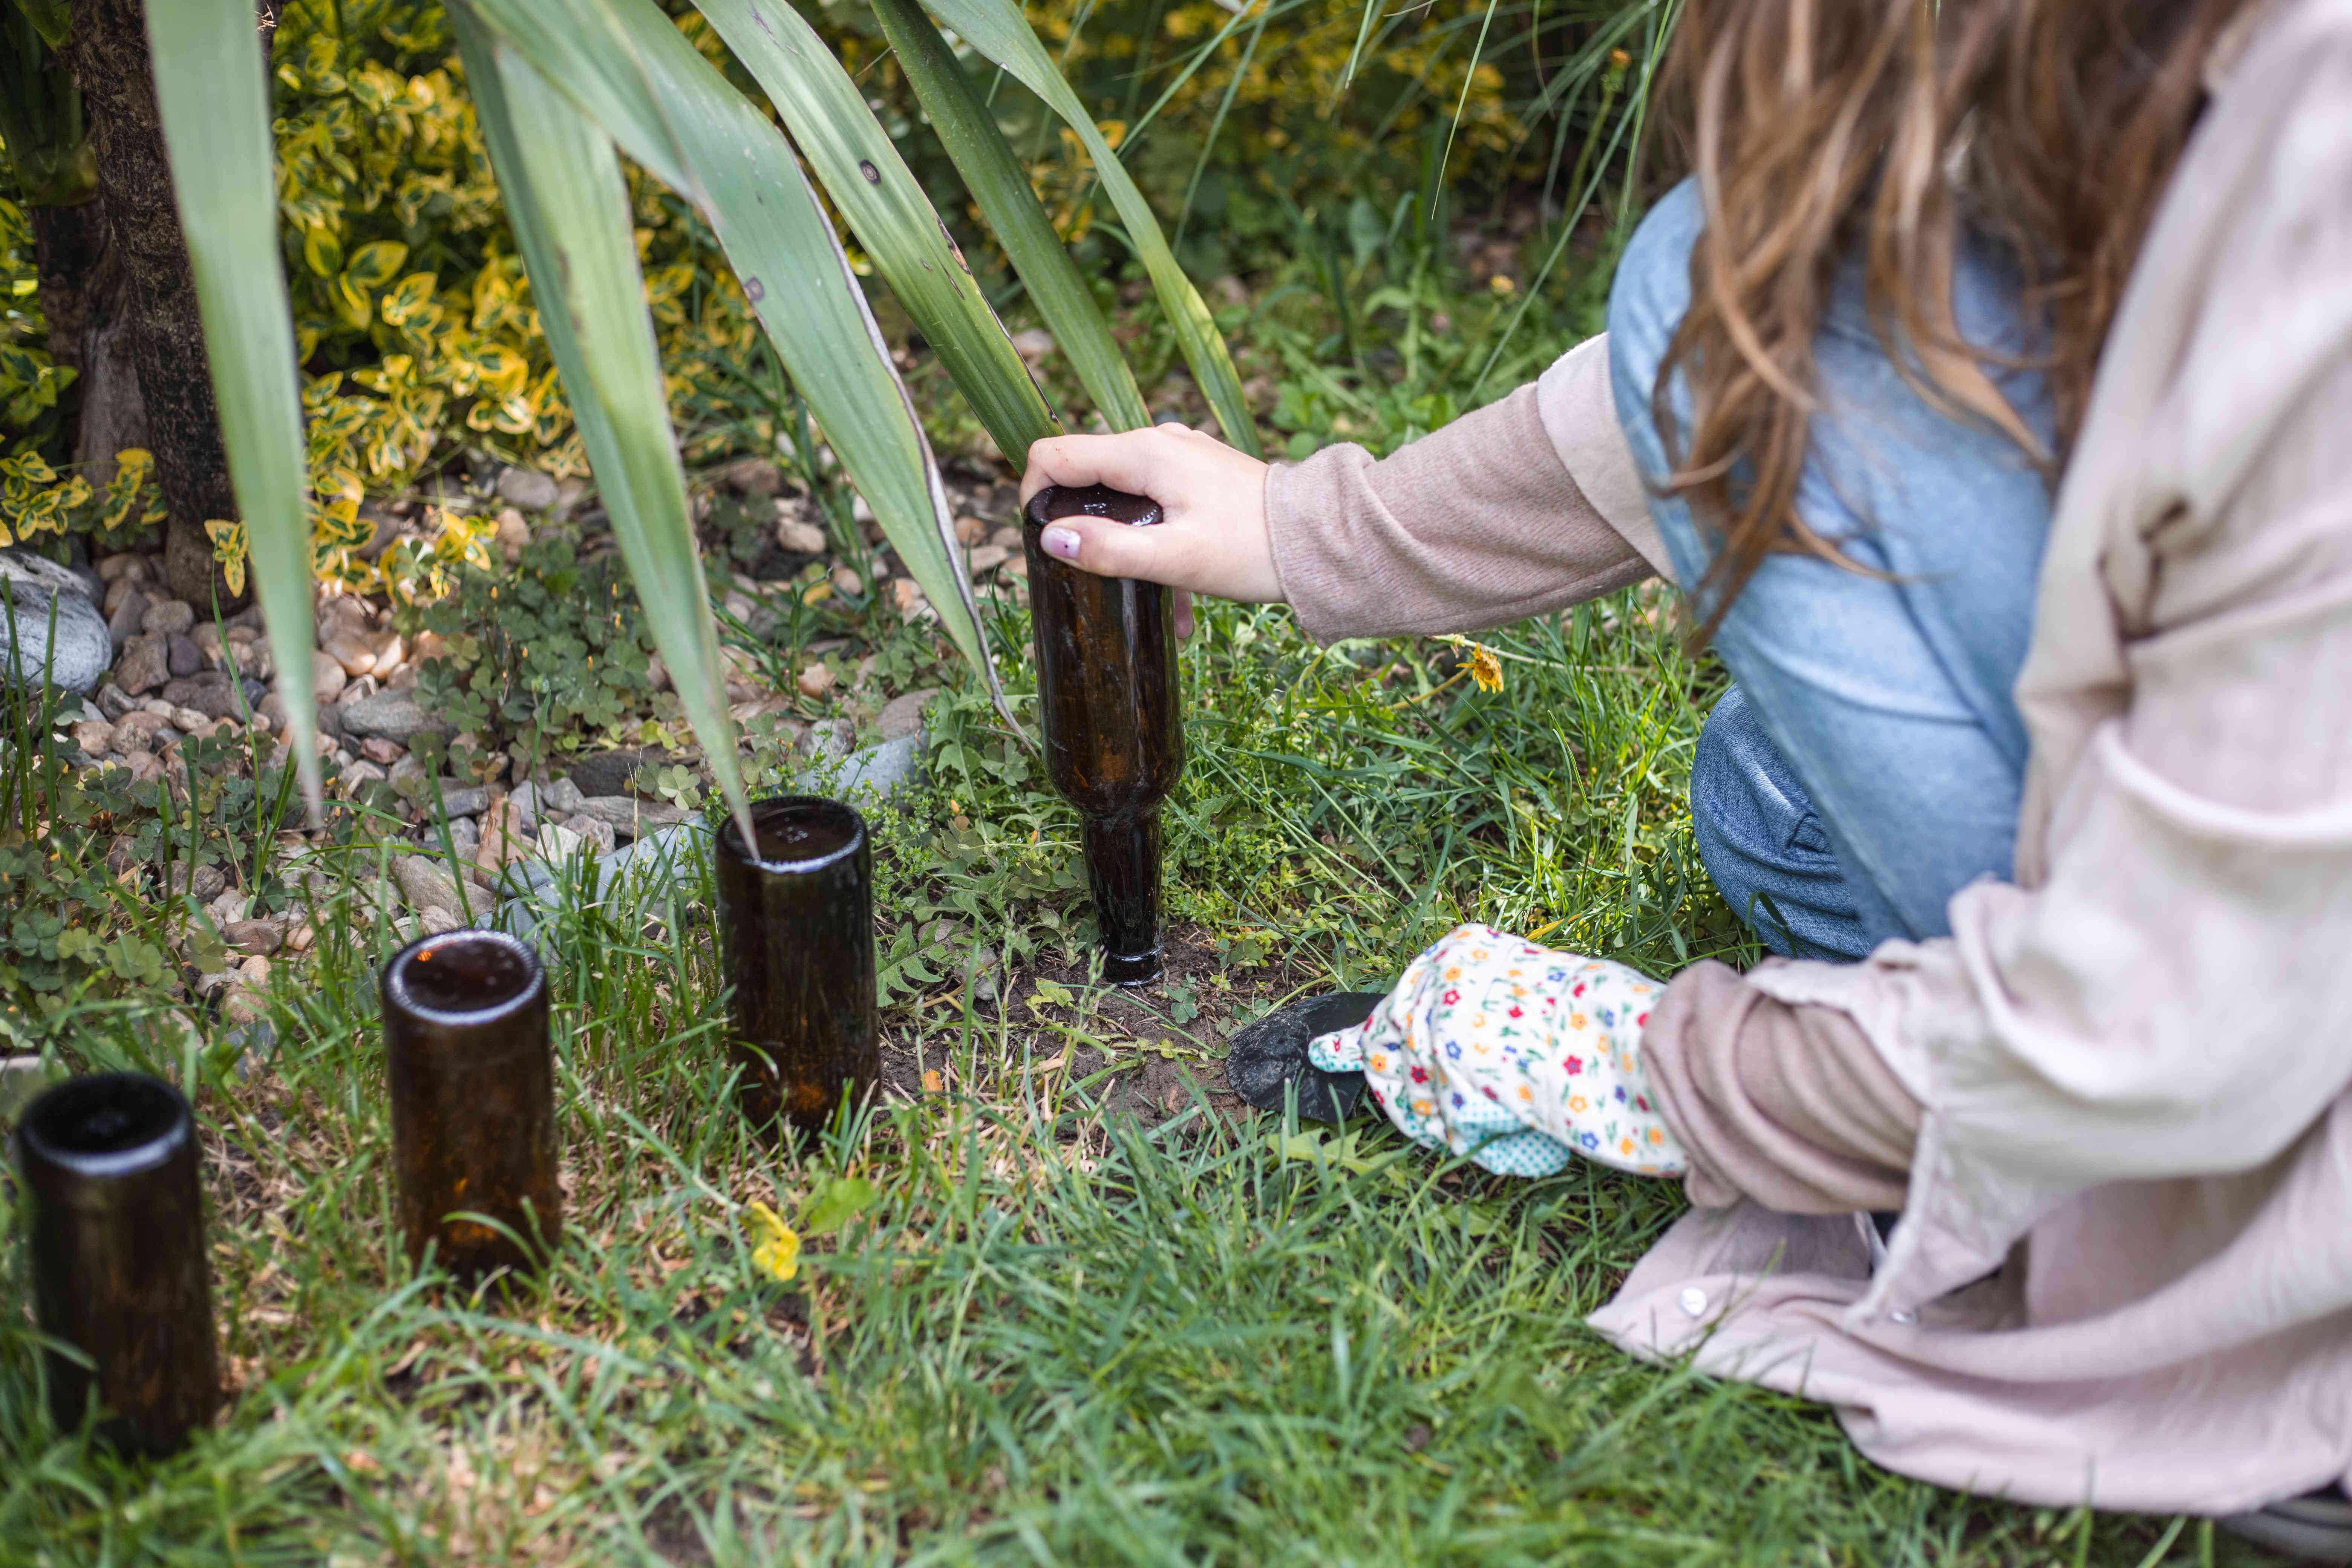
(30, 381)
(403, 272)
(413, 315)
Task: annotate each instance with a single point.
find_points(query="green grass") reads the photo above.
(1056, 1335)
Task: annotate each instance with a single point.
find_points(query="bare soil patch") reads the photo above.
(1120, 1052)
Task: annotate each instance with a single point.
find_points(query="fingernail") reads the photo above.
(1060, 542)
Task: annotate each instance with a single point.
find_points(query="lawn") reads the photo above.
(1061, 1300)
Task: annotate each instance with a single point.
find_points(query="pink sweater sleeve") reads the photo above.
(1483, 522)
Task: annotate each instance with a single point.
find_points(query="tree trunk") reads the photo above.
(66, 244)
(85, 295)
(167, 338)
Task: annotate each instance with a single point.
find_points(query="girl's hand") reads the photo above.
(1213, 535)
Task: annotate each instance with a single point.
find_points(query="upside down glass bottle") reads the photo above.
(797, 945)
(119, 1271)
(473, 1103)
(1114, 737)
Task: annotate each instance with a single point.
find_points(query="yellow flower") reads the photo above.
(776, 1245)
(1485, 668)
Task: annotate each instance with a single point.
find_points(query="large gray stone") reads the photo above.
(883, 768)
(666, 855)
(76, 654)
(390, 716)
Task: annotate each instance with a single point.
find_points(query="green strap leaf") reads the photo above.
(625, 65)
(995, 27)
(991, 172)
(900, 229)
(215, 111)
(569, 207)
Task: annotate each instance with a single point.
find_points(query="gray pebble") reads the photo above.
(170, 617)
(390, 715)
(526, 488)
(526, 803)
(903, 715)
(144, 665)
(210, 692)
(461, 800)
(123, 625)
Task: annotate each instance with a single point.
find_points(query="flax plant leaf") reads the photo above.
(996, 28)
(570, 209)
(991, 172)
(215, 107)
(902, 231)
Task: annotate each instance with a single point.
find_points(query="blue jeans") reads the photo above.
(1868, 763)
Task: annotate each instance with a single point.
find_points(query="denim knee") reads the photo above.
(1763, 842)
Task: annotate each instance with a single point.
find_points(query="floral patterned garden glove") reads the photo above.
(1513, 1056)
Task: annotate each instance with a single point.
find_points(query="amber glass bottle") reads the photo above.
(796, 943)
(1114, 736)
(119, 1257)
(473, 1102)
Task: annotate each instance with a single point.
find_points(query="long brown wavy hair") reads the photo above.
(1823, 129)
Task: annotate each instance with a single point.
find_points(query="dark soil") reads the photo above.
(1153, 1069)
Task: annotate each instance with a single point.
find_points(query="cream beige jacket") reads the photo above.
(2130, 1062)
